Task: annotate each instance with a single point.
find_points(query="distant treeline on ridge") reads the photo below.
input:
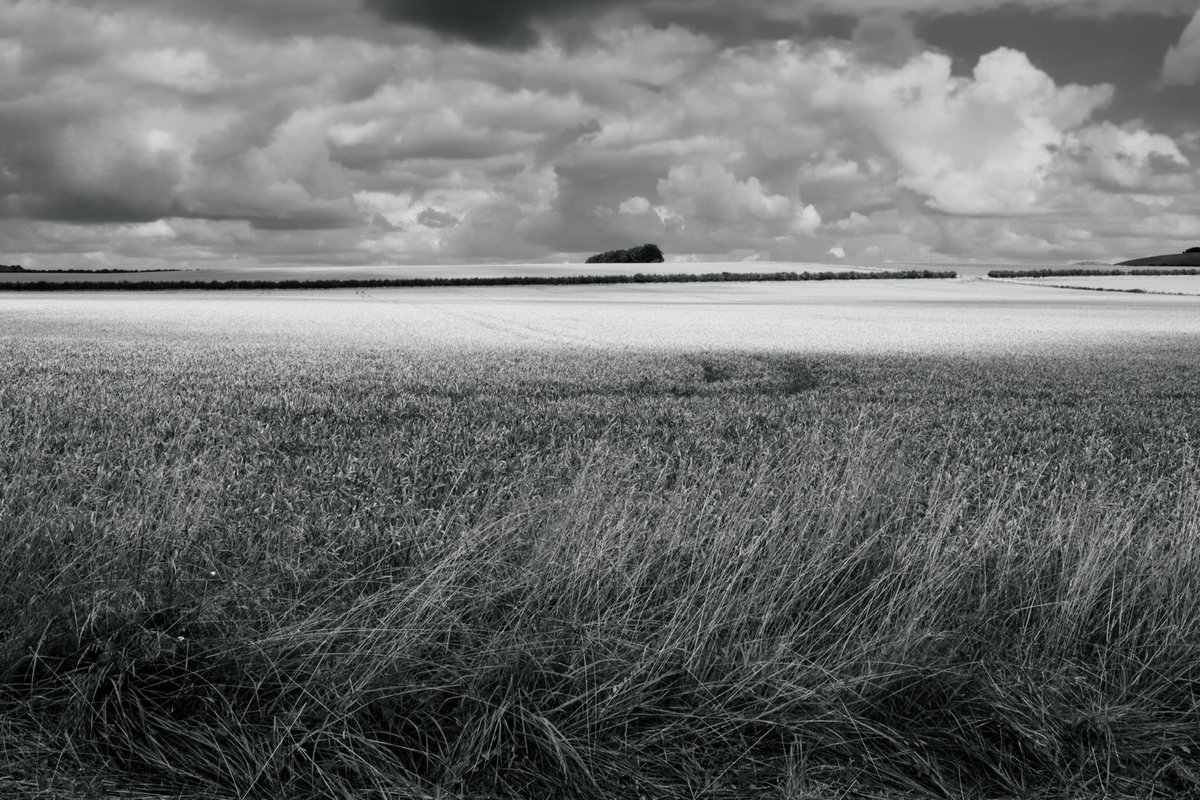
(1073, 272)
(12, 268)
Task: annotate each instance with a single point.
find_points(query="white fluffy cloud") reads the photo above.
(709, 193)
(1182, 63)
(634, 206)
(978, 145)
(1131, 159)
(715, 202)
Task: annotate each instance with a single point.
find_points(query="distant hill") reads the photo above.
(1191, 259)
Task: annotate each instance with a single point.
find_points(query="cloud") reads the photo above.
(1100, 8)
(185, 70)
(1181, 67)
(521, 23)
(159, 229)
(510, 24)
(709, 193)
(635, 206)
(978, 145)
(806, 221)
(141, 124)
(314, 134)
(433, 218)
(886, 37)
(1131, 159)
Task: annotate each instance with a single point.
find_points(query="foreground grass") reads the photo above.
(262, 572)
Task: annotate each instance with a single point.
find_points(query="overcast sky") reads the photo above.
(229, 132)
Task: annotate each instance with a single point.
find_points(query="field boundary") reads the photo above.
(510, 280)
(1097, 273)
(1109, 289)
(1089, 273)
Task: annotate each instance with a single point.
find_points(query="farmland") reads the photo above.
(731, 541)
(926, 316)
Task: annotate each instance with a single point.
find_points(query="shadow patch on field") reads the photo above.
(737, 373)
(799, 375)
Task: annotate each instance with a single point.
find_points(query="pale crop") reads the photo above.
(925, 316)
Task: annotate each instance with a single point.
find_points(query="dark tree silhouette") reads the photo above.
(642, 254)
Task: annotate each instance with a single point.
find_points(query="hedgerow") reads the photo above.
(508, 280)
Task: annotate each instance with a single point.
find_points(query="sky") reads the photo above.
(176, 133)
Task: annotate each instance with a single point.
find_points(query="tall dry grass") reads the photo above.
(259, 573)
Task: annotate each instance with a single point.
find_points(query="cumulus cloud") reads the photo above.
(710, 193)
(1182, 63)
(806, 221)
(979, 145)
(1131, 159)
(634, 206)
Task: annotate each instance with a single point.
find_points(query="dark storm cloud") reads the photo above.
(515, 24)
(42, 181)
(332, 216)
(133, 199)
(486, 22)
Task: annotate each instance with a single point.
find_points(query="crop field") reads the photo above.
(673, 542)
(885, 316)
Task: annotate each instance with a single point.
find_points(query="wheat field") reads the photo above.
(239, 561)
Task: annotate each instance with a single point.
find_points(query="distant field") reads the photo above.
(854, 317)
